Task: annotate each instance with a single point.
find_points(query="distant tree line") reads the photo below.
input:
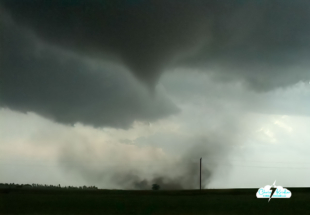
(45, 186)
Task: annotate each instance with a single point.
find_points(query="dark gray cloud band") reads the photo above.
(264, 43)
(144, 35)
(68, 88)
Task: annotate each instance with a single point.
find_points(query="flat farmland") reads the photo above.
(211, 201)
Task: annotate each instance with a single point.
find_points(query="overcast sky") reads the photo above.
(123, 94)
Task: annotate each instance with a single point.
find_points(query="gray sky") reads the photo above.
(89, 101)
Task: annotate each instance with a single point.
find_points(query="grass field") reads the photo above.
(234, 201)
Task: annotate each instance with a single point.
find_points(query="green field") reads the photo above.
(234, 201)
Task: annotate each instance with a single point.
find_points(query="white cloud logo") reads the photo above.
(273, 191)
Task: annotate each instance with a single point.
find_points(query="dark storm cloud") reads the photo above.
(265, 43)
(68, 88)
(262, 42)
(145, 35)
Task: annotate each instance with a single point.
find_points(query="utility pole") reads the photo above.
(200, 174)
